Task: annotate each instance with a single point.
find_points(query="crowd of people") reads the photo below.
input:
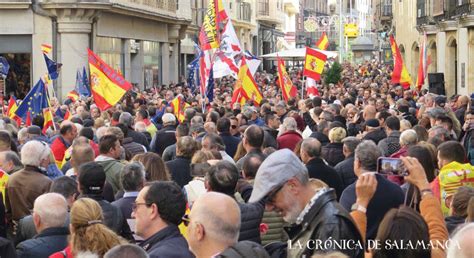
(300, 178)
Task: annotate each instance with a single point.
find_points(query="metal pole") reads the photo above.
(341, 40)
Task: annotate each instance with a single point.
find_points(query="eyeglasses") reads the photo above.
(271, 196)
(186, 220)
(136, 204)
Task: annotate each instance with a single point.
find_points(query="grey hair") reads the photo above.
(132, 176)
(459, 244)
(33, 152)
(13, 157)
(311, 146)
(52, 209)
(126, 119)
(23, 134)
(289, 123)
(197, 120)
(439, 130)
(126, 251)
(408, 137)
(351, 143)
(367, 153)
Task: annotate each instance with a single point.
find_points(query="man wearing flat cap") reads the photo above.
(313, 214)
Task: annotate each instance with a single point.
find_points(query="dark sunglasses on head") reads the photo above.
(186, 220)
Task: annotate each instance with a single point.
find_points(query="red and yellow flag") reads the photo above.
(323, 42)
(48, 119)
(400, 74)
(314, 64)
(46, 48)
(73, 95)
(245, 87)
(11, 109)
(107, 86)
(179, 105)
(287, 87)
(209, 34)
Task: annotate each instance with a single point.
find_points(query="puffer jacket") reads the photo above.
(244, 249)
(251, 215)
(332, 153)
(326, 219)
(391, 144)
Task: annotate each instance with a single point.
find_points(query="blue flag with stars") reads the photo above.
(84, 90)
(4, 66)
(193, 77)
(34, 102)
(52, 67)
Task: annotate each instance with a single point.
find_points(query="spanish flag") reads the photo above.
(245, 87)
(11, 109)
(287, 88)
(314, 64)
(46, 48)
(179, 105)
(209, 36)
(323, 42)
(48, 118)
(400, 74)
(107, 86)
(73, 95)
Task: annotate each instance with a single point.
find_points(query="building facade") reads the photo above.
(139, 38)
(310, 9)
(449, 25)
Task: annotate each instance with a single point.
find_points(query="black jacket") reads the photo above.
(326, 219)
(167, 242)
(125, 205)
(138, 138)
(132, 148)
(230, 142)
(319, 170)
(180, 170)
(387, 196)
(162, 139)
(6, 248)
(269, 137)
(452, 222)
(332, 153)
(113, 217)
(49, 241)
(244, 249)
(376, 135)
(251, 215)
(345, 170)
(322, 138)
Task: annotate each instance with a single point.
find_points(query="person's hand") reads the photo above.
(416, 173)
(366, 186)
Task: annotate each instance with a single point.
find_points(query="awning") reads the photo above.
(295, 54)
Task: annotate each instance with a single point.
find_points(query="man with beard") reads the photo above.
(313, 214)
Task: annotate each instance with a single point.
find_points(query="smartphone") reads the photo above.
(391, 167)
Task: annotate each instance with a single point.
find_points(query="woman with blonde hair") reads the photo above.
(333, 151)
(88, 233)
(155, 169)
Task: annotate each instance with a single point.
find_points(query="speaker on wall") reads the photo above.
(436, 83)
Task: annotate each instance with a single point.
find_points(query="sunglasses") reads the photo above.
(186, 220)
(233, 126)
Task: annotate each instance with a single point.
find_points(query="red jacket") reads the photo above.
(289, 140)
(66, 253)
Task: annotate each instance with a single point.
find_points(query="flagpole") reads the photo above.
(302, 87)
(3, 88)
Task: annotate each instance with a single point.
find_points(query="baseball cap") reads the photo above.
(91, 177)
(168, 118)
(275, 170)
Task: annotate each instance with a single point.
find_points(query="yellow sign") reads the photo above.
(351, 30)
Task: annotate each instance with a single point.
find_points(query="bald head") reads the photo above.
(220, 216)
(369, 112)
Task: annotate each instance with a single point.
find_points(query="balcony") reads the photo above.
(387, 11)
(15, 4)
(465, 8)
(158, 5)
(263, 8)
(270, 14)
(424, 20)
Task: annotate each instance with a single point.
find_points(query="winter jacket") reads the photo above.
(325, 219)
(452, 222)
(167, 242)
(6, 248)
(180, 170)
(112, 169)
(113, 217)
(289, 140)
(44, 244)
(332, 153)
(376, 135)
(244, 249)
(23, 188)
(162, 139)
(319, 170)
(132, 148)
(251, 215)
(345, 170)
(391, 144)
(230, 142)
(269, 137)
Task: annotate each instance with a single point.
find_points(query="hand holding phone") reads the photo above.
(391, 167)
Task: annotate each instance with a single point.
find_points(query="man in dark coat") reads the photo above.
(231, 142)
(387, 196)
(166, 136)
(314, 214)
(345, 168)
(127, 119)
(310, 154)
(49, 216)
(179, 168)
(374, 133)
(158, 210)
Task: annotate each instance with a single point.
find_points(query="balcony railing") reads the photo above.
(263, 8)
(465, 8)
(386, 10)
(244, 12)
